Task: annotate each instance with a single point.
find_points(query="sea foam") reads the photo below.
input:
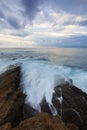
(39, 80)
(40, 77)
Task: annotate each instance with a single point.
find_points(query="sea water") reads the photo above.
(45, 68)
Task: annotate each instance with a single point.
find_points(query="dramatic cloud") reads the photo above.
(70, 6)
(43, 23)
(32, 7)
(74, 41)
(13, 21)
(83, 23)
(1, 14)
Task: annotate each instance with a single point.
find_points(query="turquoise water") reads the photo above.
(43, 69)
(66, 56)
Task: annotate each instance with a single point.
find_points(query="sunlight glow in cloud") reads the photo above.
(26, 23)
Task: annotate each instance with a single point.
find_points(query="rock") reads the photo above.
(11, 97)
(72, 109)
(28, 111)
(6, 126)
(44, 106)
(42, 121)
(74, 105)
(72, 127)
(74, 97)
(56, 101)
(71, 116)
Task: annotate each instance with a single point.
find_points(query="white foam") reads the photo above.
(53, 109)
(79, 78)
(60, 99)
(40, 77)
(39, 80)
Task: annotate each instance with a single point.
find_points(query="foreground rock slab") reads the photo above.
(43, 121)
(11, 98)
(70, 103)
(74, 105)
(6, 126)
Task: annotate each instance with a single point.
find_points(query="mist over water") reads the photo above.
(42, 70)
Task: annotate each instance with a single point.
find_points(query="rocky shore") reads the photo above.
(69, 101)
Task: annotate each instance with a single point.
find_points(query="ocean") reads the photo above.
(44, 68)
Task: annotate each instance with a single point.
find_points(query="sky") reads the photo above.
(43, 23)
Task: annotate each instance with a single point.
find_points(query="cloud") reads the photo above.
(83, 23)
(15, 41)
(31, 8)
(75, 8)
(22, 34)
(70, 6)
(10, 14)
(14, 22)
(53, 21)
(73, 42)
(1, 14)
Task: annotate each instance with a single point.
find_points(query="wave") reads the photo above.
(40, 58)
(40, 78)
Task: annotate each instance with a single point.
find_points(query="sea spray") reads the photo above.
(39, 80)
(39, 77)
(53, 109)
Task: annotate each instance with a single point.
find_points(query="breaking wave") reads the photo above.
(40, 77)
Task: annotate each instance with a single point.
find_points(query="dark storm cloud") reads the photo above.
(32, 7)
(73, 41)
(70, 6)
(1, 14)
(16, 16)
(7, 16)
(74, 22)
(2, 6)
(83, 23)
(13, 21)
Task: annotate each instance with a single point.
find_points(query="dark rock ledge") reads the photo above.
(15, 115)
(11, 98)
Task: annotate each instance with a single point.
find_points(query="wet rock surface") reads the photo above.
(6, 126)
(43, 121)
(79, 103)
(69, 102)
(74, 106)
(11, 98)
(28, 111)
